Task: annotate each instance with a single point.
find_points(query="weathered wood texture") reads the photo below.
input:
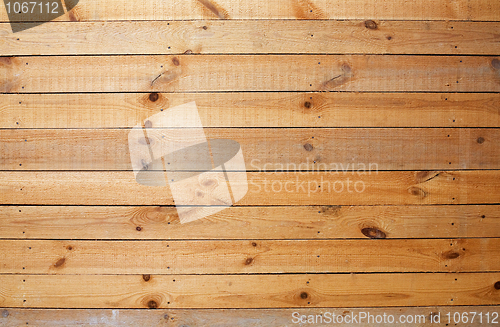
(403, 316)
(410, 87)
(249, 73)
(265, 188)
(281, 9)
(230, 37)
(245, 257)
(288, 222)
(248, 291)
(265, 149)
(255, 109)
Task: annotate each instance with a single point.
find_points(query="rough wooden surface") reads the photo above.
(265, 149)
(410, 87)
(248, 291)
(188, 73)
(384, 187)
(481, 10)
(419, 317)
(283, 222)
(244, 257)
(223, 37)
(255, 109)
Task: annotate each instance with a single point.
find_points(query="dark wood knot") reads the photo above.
(370, 24)
(372, 232)
(60, 262)
(308, 147)
(451, 255)
(153, 97)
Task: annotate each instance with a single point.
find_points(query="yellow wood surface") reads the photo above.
(275, 36)
(369, 130)
(248, 291)
(244, 257)
(255, 109)
(264, 188)
(188, 73)
(328, 149)
(281, 9)
(283, 222)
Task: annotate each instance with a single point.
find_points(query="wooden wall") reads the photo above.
(409, 86)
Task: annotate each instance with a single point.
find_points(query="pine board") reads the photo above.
(188, 73)
(254, 36)
(249, 291)
(261, 222)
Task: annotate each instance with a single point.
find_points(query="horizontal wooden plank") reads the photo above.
(280, 9)
(295, 222)
(248, 291)
(402, 316)
(185, 73)
(294, 149)
(255, 109)
(244, 257)
(304, 188)
(230, 37)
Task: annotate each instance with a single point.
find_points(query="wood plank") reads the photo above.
(282, 9)
(255, 109)
(186, 73)
(244, 257)
(289, 222)
(248, 291)
(264, 188)
(234, 37)
(402, 316)
(264, 149)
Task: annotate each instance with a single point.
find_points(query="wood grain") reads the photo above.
(248, 291)
(410, 87)
(255, 109)
(384, 187)
(264, 149)
(288, 222)
(233, 37)
(420, 316)
(281, 9)
(243, 257)
(205, 73)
